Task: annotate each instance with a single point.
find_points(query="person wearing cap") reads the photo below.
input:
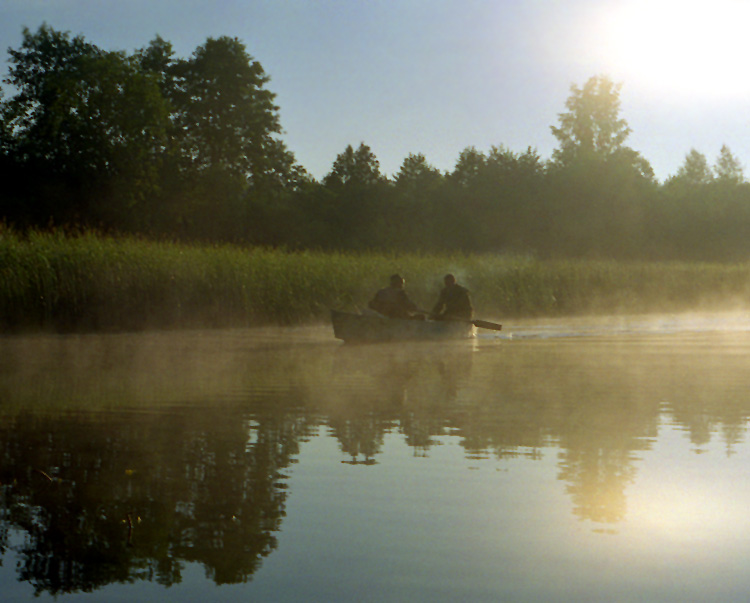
(393, 302)
(454, 302)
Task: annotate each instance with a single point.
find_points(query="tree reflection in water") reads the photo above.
(135, 496)
(106, 496)
(406, 389)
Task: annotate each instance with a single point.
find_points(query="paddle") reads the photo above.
(485, 324)
(482, 324)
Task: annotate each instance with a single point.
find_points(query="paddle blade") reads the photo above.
(485, 324)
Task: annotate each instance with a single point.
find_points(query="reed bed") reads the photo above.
(51, 280)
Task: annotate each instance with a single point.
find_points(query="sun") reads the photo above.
(691, 48)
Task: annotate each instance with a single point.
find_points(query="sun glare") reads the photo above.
(688, 47)
(687, 512)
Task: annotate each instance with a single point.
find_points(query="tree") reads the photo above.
(514, 183)
(42, 71)
(591, 126)
(91, 121)
(416, 188)
(695, 202)
(599, 188)
(492, 200)
(354, 168)
(415, 174)
(228, 163)
(694, 170)
(728, 168)
(226, 116)
(358, 207)
(146, 141)
(158, 59)
(468, 167)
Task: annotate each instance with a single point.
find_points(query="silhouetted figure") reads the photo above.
(393, 302)
(454, 302)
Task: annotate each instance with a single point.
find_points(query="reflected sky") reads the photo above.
(283, 465)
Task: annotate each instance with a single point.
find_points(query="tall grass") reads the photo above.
(87, 281)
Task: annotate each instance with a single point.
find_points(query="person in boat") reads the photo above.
(454, 302)
(393, 302)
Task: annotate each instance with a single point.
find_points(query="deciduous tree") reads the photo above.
(592, 125)
(359, 206)
(694, 170)
(92, 121)
(358, 167)
(728, 168)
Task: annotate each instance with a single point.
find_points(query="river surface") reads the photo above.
(568, 460)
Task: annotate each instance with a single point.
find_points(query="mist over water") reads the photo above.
(607, 454)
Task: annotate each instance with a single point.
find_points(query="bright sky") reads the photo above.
(437, 76)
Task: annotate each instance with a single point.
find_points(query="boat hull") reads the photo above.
(361, 328)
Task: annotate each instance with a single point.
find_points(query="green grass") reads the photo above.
(49, 280)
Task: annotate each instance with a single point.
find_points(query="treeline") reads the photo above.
(154, 144)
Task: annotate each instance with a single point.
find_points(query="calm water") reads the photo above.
(562, 461)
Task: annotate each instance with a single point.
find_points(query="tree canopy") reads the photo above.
(592, 124)
(142, 139)
(192, 147)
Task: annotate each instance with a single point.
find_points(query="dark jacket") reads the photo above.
(454, 303)
(393, 303)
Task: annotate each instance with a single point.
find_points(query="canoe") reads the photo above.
(371, 328)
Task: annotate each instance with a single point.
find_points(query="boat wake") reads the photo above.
(616, 326)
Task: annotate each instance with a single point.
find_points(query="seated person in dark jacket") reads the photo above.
(393, 302)
(454, 302)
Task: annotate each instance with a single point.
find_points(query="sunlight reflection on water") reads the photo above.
(668, 324)
(608, 455)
